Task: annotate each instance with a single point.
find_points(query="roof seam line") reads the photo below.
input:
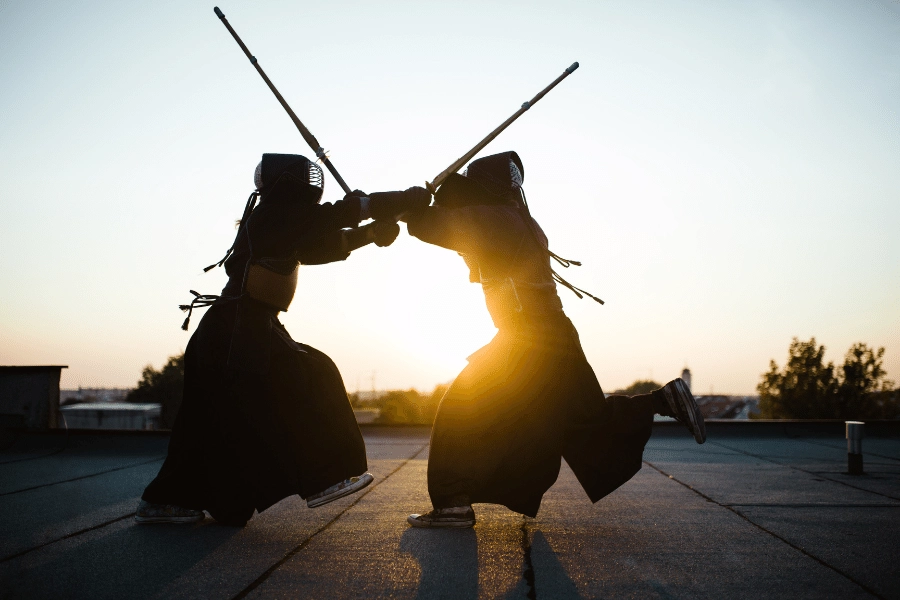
(268, 572)
(772, 533)
(36, 487)
(65, 537)
(816, 474)
(841, 448)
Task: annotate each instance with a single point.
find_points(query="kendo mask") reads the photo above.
(289, 178)
(494, 179)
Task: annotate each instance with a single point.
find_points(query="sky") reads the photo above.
(728, 173)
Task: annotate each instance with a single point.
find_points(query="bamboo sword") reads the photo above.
(309, 137)
(433, 185)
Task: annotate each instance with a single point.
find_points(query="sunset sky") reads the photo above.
(728, 173)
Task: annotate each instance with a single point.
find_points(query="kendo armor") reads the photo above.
(498, 174)
(497, 180)
(276, 171)
(281, 178)
(270, 280)
(490, 180)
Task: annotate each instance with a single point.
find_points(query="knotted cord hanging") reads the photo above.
(199, 301)
(251, 203)
(207, 300)
(565, 262)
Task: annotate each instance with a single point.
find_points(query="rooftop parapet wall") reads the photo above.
(29, 396)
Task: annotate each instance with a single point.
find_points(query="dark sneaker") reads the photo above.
(166, 513)
(684, 409)
(339, 490)
(460, 516)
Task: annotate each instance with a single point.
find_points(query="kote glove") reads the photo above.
(390, 205)
(384, 233)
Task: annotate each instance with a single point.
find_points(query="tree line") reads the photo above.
(809, 388)
(806, 388)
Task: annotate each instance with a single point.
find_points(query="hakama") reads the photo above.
(529, 398)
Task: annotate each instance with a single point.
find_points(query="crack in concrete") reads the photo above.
(528, 566)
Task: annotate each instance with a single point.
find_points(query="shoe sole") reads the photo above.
(686, 400)
(363, 482)
(173, 520)
(438, 524)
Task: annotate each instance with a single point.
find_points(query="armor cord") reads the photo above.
(199, 301)
(565, 262)
(251, 203)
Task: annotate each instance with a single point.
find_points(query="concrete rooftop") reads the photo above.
(758, 511)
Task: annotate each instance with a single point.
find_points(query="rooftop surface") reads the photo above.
(758, 511)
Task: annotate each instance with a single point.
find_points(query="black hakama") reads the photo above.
(529, 398)
(263, 417)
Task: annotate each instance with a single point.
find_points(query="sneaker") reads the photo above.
(460, 516)
(684, 409)
(339, 490)
(166, 513)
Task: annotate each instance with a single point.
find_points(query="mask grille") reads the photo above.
(316, 176)
(515, 175)
(257, 176)
(496, 183)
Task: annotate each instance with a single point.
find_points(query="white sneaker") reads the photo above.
(339, 490)
(458, 516)
(166, 513)
(682, 404)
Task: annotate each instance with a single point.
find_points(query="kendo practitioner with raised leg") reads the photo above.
(528, 398)
(265, 417)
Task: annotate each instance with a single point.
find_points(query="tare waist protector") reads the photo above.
(271, 287)
(508, 299)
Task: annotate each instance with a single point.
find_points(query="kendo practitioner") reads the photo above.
(265, 417)
(529, 397)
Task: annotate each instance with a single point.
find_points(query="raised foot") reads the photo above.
(681, 403)
(339, 490)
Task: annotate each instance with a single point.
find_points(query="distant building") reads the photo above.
(82, 394)
(368, 396)
(686, 375)
(29, 396)
(719, 406)
(366, 415)
(110, 415)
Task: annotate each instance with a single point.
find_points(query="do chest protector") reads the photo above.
(270, 285)
(268, 280)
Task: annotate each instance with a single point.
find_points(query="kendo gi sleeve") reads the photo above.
(340, 215)
(326, 249)
(318, 237)
(452, 228)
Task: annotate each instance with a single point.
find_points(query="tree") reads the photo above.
(808, 388)
(409, 406)
(431, 403)
(164, 387)
(804, 390)
(862, 385)
(400, 407)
